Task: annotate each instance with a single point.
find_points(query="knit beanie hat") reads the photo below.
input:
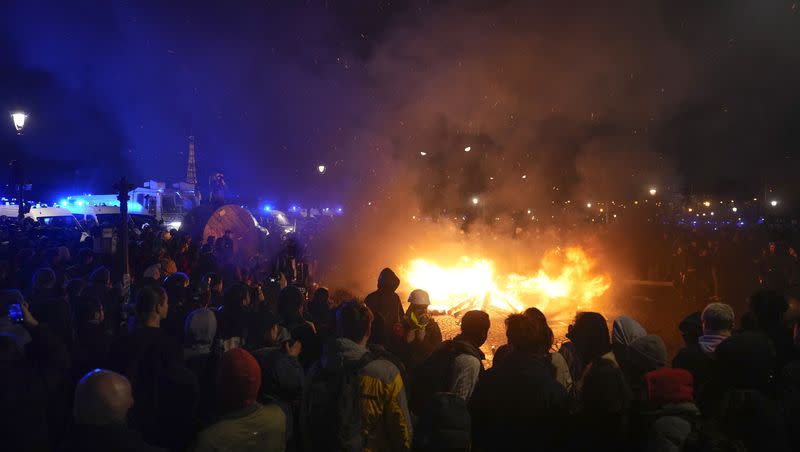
(648, 352)
(668, 385)
(238, 380)
(200, 326)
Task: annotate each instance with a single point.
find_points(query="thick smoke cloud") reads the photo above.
(549, 110)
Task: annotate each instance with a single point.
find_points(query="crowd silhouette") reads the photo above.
(201, 352)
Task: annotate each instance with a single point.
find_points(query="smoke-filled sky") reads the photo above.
(600, 101)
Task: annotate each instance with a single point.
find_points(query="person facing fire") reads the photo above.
(387, 308)
(421, 333)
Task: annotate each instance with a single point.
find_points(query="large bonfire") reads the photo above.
(566, 281)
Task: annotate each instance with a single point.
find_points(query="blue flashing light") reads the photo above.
(339, 210)
(267, 208)
(63, 203)
(135, 207)
(79, 203)
(293, 208)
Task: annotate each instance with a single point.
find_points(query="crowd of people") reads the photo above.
(198, 352)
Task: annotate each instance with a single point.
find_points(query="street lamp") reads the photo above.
(773, 203)
(19, 121)
(653, 192)
(321, 169)
(475, 200)
(468, 148)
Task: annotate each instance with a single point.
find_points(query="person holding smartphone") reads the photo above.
(14, 316)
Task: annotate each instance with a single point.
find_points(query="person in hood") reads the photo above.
(455, 366)
(671, 409)
(385, 419)
(717, 320)
(645, 354)
(624, 330)
(385, 306)
(421, 333)
(519, 401)
(200, 329)
(245, 425)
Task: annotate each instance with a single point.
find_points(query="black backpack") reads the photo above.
(434, 374)
(332, 406)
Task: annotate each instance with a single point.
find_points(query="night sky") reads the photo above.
(598, 101)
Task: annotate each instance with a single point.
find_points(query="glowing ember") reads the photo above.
(565, 281)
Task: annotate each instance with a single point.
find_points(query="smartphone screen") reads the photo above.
(15, 312)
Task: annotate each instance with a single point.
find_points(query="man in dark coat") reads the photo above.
(385, 306)
(742, 395)
(165, 391)
(518, 404)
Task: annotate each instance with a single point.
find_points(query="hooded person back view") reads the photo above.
(385, 305)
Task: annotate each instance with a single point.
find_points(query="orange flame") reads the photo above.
(565, 281)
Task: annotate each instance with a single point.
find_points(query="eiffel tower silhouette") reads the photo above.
(191, 169)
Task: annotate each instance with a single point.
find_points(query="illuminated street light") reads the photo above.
(690, 209)
(589, 205)
(734, 209)
(524, 176)
(653, 192)
(475, 200)
(19, 121)
(423, 153)
(468, 148)
(321, 169)
(707, 203)
(773, 203)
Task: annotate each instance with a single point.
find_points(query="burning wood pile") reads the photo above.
(565, 281)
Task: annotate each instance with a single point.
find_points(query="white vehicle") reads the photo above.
(103, 216)
(154, 199)
(54, 216)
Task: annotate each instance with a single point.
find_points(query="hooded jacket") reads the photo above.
(709, 342)
(385, 416)
(626, 330)
(384, 301)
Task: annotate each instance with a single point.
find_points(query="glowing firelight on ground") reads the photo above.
(565, 281)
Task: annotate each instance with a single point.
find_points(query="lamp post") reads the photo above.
(18, 118)
(123, 187)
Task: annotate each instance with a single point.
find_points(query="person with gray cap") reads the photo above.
(421, 333)
(645, 354)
